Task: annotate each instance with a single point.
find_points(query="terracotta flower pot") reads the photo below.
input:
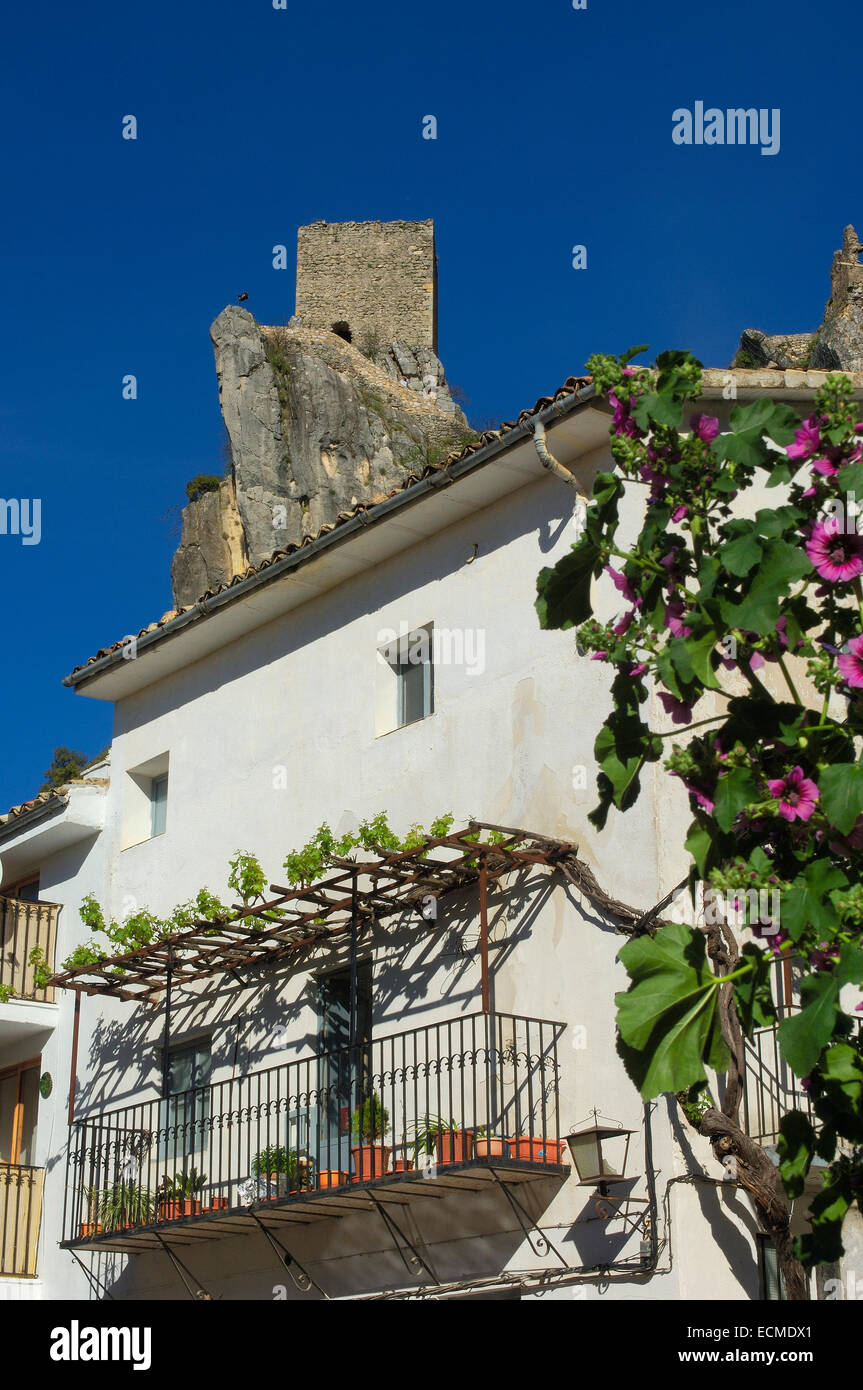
(403, 1165)
(176, 1207)
(454, 1145)
(370, 1161)
(90, 1228)
(218, 1204)
(540, 1150)
(332, 1177)
(489, 1148)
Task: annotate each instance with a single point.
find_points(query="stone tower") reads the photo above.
(370, 282)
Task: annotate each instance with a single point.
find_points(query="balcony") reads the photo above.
(464, 1105)
(20, 1216)
(23, 927)
(770, 1086)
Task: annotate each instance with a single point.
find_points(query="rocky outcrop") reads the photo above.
(212, 547)
(838, 343)
(315, 426)
(783, 351)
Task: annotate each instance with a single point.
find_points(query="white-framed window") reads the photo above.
(405, 680)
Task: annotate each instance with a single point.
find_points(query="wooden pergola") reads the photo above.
(357, 892)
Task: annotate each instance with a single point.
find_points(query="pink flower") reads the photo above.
(680, 711)
(674, 619)
(622, 584)
(599, 656)
(795, 793)
(851, 664)
(824, 467)
(623, 624)
(806, 440)
(835, 555)
(679, 513)
(705, 427)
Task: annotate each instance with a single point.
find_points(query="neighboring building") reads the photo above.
(474, 1005)
(51, 853)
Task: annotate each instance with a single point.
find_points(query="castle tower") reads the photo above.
(369, 281)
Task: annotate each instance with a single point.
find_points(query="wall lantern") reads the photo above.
(599, 1153)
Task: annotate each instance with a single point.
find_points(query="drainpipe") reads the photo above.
(547, 459)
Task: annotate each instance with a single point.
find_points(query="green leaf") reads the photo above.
(823, 1244)
(752, 996)
(734, 790)
(782, 564)
(749, 425)
(807, 902)
(658, 407)
(699, 843)
(850, 479)
(795, 1147)
(803, 1036)
(669, 1018)
(621, 746)
(742, 555)
(841, 788)
(564, 590)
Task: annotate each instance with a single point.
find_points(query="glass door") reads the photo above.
(341, 1070)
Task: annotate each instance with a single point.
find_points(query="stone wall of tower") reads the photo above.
(379, 278)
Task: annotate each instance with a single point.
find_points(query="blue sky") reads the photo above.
(554, 129)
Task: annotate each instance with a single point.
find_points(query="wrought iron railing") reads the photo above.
(479, 1089)
(770, 1086)
(20, 1215)
(25, 927)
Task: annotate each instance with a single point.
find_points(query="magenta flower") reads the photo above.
(674, 612)
(824, 467)
(679, 513)
(622, 584)
(680, 711)
(806, 440)
(623, 624)
(705, 427)
(836, 555)
(599, 656)
(795, 793)
(851, 664)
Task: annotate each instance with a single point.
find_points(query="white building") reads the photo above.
(286, 699)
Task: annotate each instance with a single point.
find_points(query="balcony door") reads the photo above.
(19, 1105)
(342, 1075)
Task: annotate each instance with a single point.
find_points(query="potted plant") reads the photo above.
(285, 1170)
(92, 1226)
(444, 1138)
(124, 1205)
(219, 1203)
(487, 1144)
(369, 1124)
(178, 1195)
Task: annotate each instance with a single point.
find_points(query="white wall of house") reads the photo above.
(278, 731)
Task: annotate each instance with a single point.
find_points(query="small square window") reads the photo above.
(145, 801)
(405, 682)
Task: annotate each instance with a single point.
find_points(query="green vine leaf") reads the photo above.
(669, 1017)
